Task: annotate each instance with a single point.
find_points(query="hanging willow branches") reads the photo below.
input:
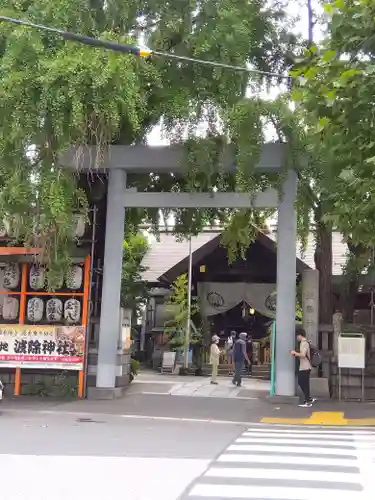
(54, 94)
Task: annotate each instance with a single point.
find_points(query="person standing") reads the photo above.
(214, 358)
(249, 351)
(229, 348)
(304, 370)
(239, 357)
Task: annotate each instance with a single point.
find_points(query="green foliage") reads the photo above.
(55, 93)
(178, 299)
(133, 288)
(134, 368)
(335, 95)
(178, 302)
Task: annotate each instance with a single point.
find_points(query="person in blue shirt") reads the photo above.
(239, 357)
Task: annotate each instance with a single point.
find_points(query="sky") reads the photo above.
(295, 8)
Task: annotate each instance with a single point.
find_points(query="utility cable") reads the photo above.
(136, 51)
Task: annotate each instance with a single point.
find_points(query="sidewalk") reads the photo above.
(190, 386)
(232, 410)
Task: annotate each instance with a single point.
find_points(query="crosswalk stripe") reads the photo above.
(305, 435)
(292, 449)
(270, 463)
(287, 460)
(268, 492)
(309, 430)
(339, 477)
(317, 443)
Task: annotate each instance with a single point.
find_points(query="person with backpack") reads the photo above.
(239, 357)
(304, 356)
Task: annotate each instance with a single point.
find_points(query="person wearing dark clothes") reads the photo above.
(239, 357)
(304, 368)
(249, 352)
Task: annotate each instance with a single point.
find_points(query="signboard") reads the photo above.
(125, 329)
(169, 359)
(29, 346)
(351, 351)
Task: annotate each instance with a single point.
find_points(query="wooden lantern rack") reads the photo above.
(23, 294)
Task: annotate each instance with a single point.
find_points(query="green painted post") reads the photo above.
(273, 359)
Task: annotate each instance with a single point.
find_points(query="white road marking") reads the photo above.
(293, 464)
(287, 459)
(292, 474)
(27, 477)
(269, 492)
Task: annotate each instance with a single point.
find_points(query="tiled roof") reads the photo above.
(166, 253)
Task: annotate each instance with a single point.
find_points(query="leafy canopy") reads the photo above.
(55, 93)
(336, 95)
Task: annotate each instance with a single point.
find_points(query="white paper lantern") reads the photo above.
(12, 224)
(6, 224)
(3, 231)
(12, 276)
(37, 277)
(10, 308)
(35, 309)
(74, 277)
(80, 226)
(72, 311)
(54, 309)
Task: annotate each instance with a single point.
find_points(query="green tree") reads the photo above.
(55, 93)
(179, 308)
(133, 287)
(335, 94)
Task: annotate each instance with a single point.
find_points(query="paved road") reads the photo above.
(64, 456)
(55, 456)
(291, 463)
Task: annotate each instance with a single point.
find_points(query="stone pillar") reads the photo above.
(286, 288)
(109, 329)
(310, 304)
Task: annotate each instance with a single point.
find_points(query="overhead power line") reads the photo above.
(134, 50)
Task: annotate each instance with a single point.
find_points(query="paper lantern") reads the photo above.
(54, 310)
(72, 311)
(12, 276)
(35, 309)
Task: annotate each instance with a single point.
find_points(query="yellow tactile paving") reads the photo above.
(321, 418)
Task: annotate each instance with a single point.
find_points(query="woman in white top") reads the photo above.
(229, 348)
(214, 358)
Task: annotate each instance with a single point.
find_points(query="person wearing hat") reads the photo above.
(214, 358)
(239, 357)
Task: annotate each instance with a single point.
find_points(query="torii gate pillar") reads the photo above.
(286, 288)
(122, 159)
(109, 328)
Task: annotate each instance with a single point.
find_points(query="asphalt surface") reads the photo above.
(181, 407)
(51, 456)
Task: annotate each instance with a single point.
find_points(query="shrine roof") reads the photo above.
(168, 252)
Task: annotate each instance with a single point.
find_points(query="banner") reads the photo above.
(54, 347)
(218, 298)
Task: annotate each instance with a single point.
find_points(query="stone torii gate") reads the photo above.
(121, 160)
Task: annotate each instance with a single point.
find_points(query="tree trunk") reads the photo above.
(358, 260)
(323, 262)
(349, 300)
